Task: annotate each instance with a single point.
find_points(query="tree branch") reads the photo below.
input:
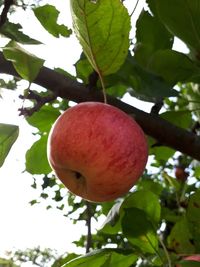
(4, 14)
(163, 131)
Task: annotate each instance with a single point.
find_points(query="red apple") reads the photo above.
(181, 174)
(97, 151)
(195, 257)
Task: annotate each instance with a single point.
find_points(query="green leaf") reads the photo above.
(112, 223)
(182, 18)
(148, 31)
(13, 31)
(193, 96)
(36, 157)
(104, 258)
(47, 16)
(141, 83)
(8, 135)
(180, 238)
(102, 27)
(26, 64)
(180, 118)
(146, 201)
(139, 230)
(173, 66)
(44, 118)
(193, 216)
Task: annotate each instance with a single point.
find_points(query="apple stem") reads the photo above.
(103, 88)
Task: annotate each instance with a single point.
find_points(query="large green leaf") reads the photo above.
(182, 19)
(139, 230)
(13, 31)
(173, 66)
(47, 16)
(142, 83)
(44, 118)
(8, 135)
(102, 28)
(36, 157)
(104, 258)
(149, 30)
(146, 201)
(26, 64)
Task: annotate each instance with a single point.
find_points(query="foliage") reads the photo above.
(158, 221)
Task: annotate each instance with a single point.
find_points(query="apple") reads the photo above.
(180, 174)
(195, 257)
(97, 151)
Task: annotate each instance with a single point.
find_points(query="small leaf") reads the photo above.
(13, 31)
(26, 64)
(36, 157)
(139, 230)
(8, 135)
(44, 118)
(102, 27)
(47, 16)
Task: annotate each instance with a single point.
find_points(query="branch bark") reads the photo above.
(163, 131)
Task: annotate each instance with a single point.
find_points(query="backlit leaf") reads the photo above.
(48, 15)
(26, 64)
(36, 157)
(102, 27)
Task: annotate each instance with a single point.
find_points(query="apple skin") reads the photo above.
(97, 151)
(180, 174)
(195, 257)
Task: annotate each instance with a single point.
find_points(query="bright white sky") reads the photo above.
(21, 225)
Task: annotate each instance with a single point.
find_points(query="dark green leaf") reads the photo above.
(26, 64)
(47, 16)
(151, 36)
(44, 118)
(8, 135)
(36, 157)
(145, 201)
(139, 230)
(142, 83)
(182, 19)
(173, 66)
(112, 223)
(13, 31)
(102, 28)
(180, 238)
(180, 118)
(104, 258)
(193, 216)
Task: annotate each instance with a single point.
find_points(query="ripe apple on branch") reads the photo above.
(97, 151)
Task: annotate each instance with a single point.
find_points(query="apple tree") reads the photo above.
(128, 48)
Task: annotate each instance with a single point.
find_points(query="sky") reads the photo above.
(21, 225)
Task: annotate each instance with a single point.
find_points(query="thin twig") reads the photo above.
(134, 8)
(88, 222)
(40, 101)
